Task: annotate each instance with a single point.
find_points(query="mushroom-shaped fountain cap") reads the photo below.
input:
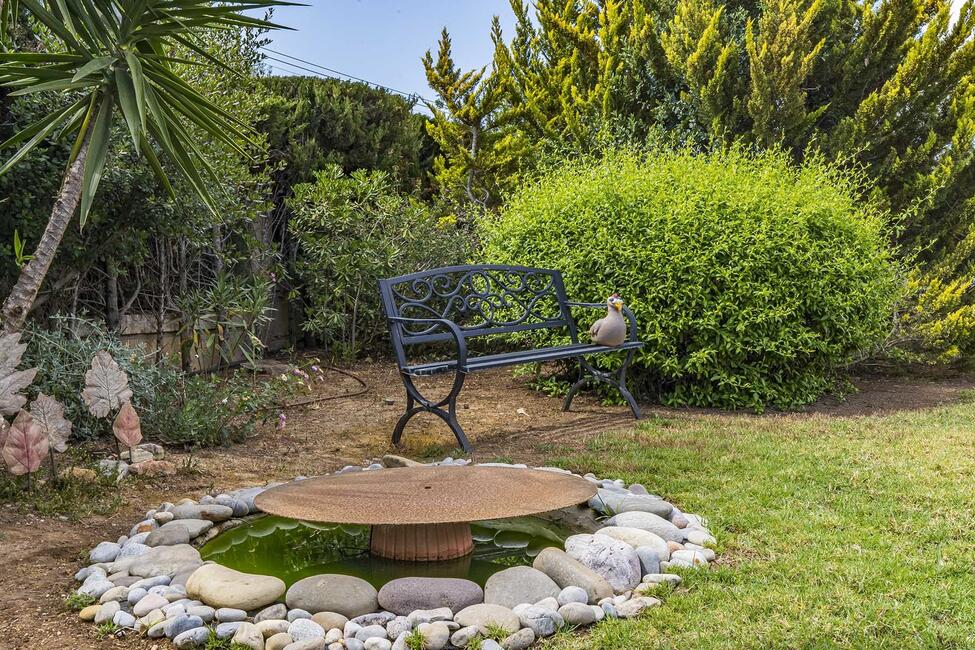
(425, 495)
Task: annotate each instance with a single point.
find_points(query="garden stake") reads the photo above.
(54, 467)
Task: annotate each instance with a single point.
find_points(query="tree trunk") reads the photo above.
(111, 296)
(18, 303)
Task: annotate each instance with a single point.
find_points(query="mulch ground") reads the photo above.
(503, 417)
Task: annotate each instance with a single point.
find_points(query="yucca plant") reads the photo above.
(118, 55)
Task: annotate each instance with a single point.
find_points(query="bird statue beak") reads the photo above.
(618, 306)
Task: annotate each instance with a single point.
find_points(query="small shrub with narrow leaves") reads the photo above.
(753, 281)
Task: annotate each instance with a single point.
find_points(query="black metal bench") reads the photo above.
(460, 302)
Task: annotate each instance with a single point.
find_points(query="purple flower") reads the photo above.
(282, 420)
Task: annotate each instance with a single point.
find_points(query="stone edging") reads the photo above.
(154, 582)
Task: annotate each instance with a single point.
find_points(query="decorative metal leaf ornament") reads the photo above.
(127, 426)
(13, 381)
(26, 445)
(106, 385)
(49, 414)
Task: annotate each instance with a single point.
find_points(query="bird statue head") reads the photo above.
(615, 302)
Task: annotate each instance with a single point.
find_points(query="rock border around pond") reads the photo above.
(154, 582)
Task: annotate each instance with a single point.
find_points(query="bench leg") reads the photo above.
(616, 379)
(416, 403)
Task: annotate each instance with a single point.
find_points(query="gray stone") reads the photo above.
(649, 522)
(405, 595)
(635, 606)
(211, 512)
(133, 550)
(490, 644)
(699, 537)
(226, 630)
(149, 583)
(436, 636)
(220, 586)
(230, 615)
(197, 637)
(688, 558)
(375, 643)
(104, 552)
(203, 611)
(305, 628)
(135, 595)
(662, 578)
(430, 615)
(636, 538)
(649, 560)
(123, 619)
(278, 641)
(148, 603)
(96, 588)
(566, 571)
(614, 560)
(397, 626)
(276, 611)
(179, 624)
(247, 495)
(543, 622)
(330, 592)
(85, 572)
(330, 620)
(165, 560)
(484, 615)
(353, 644)
(317, 644)
(195, 527)
(677, 518)
(520, 584)
(369, 631)
(376, 618)
(295, 614)
(549, 603)
(520, 640)
(249, 636)
(270, 627)
(577, 614)
(609, 610)
(117, 593)
(168, 536)
(237, 506)
(572, 594)
(464, 635)
(107, 612)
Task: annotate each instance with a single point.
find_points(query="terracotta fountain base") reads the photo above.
(421, 542)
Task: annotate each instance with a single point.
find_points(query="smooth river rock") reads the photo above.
(636, 538)
(612, 559)
(566, 572)
(517, 585)
(219, 586)
(406, 595)
(649, 522)
(332, 592)
(484, 615)
(168, 536)
(165, 560)
(210, 512)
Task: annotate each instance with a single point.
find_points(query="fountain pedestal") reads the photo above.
(421, 542)
(423, 513)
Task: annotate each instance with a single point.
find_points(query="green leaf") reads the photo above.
(37, 132)
(138, 83)
(94, 65)
(130, 109)
(97, 153)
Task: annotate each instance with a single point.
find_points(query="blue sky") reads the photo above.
(382, 40)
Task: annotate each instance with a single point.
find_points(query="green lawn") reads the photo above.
(832, 532)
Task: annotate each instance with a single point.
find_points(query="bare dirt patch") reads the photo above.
(503, 417)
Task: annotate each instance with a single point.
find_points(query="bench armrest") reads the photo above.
(630, 316)
(449, 325)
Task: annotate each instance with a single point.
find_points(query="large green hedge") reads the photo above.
(753, 281)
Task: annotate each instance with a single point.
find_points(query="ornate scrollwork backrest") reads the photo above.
(481, 300)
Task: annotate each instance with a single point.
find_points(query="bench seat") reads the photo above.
(488, 361)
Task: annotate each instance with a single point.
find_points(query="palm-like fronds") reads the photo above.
(118, 56)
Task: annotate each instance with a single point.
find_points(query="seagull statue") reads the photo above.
(610, 330)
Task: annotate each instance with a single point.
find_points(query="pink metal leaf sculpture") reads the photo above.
(49, 414)
(26, 445)
(127, 427)
(13, 381)
(106, 385)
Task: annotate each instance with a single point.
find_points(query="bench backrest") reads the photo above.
(482, 300)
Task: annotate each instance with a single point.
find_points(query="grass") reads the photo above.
(69, 497)
(832, 532)
(106, 630)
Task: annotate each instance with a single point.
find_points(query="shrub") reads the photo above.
(753, 281)
(175, 408)
(354, 230)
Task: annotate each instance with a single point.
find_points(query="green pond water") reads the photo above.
(292, 550)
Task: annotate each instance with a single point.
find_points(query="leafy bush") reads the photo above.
(752, 280)
(176, 408)
(354, 230)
